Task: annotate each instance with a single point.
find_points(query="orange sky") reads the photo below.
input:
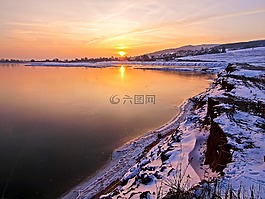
(87, 28)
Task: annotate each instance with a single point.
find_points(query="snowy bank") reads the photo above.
(209, 67)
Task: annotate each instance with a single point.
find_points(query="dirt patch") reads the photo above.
(218, 150)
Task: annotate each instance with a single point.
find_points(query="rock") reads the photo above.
(124, 182)
(145, 195)
(164, 157)
(145, 178)
(176, 137)
(163, 168)
(227, 86)
(159, 136)
(230, 68)
(157, 175)
(210, 110)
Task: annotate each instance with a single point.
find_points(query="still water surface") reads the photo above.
(58, 126)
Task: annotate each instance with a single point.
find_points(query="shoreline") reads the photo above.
(109, 175)
(146, 150)
(216, 143)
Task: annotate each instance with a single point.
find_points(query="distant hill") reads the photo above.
(228, 46)
(188, 47)
(242, 45)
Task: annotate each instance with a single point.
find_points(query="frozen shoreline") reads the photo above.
(182, 66)
(125, 157)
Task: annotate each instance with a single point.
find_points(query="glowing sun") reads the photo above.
(122, 53)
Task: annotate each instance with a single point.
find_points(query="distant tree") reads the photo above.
(223, 50)
(145, 58)
(213, 50)
(32, 60)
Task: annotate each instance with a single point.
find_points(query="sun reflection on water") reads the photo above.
(122, 71)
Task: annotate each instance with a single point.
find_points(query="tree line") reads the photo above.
(145, 57)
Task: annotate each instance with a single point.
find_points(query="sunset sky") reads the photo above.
(91, 28)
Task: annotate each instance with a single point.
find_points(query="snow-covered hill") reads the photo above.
(254, 56)
(188, 47)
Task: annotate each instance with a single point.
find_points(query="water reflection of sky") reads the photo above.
(58, 125)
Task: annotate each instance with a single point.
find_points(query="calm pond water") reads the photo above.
(58, 126)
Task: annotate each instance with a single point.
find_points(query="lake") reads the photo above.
(59, 125)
